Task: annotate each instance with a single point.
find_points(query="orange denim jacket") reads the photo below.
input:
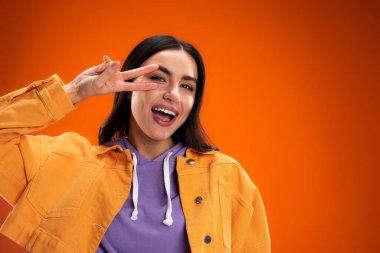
(65, 192)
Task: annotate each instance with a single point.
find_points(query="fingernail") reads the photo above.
(100, 67)
(106, 58)
(115, 65)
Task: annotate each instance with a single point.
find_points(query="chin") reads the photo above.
(160, 135)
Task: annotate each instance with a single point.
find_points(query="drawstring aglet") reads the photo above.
(168, 221)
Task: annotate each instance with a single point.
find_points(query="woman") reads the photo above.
(154, 183)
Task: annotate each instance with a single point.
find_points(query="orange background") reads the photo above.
(291, 93)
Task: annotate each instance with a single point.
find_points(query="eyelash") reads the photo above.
(188, 87)
(161, 79)
(157, 78)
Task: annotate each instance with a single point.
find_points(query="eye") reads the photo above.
(188, 87)
(158, 78)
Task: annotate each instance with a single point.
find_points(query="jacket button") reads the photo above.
(198, 200)
(207, 239)
(191, 161)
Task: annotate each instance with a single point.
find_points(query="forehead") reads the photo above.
(177, 61)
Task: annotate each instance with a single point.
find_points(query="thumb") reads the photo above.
(100, 67)
(110, 69)
(115, 65)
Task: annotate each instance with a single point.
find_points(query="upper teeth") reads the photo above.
(164, 111)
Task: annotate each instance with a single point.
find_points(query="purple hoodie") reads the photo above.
(148, 233)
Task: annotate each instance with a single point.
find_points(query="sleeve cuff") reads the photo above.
(55, 98)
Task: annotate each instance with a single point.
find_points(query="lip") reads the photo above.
(159, 120)
(167, 107)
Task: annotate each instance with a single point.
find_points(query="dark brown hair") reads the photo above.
(191, 133)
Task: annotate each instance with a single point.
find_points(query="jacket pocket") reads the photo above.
(61, 184)
(236, 215)
(242, 212)
(225, 198)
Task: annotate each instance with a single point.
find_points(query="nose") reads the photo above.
(172, 93)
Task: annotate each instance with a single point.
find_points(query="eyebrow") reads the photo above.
(169, 73)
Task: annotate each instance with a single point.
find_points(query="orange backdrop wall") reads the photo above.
(292, 93)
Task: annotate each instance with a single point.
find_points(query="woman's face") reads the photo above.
(158, 113)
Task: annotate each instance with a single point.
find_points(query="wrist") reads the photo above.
(72, 92)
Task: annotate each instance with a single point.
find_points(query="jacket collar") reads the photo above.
(103, 149)
(190, 152)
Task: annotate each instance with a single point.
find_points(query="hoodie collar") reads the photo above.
(143, 160)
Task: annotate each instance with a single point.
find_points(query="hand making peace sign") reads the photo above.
(106, 78)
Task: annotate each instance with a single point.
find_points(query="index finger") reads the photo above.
(133, 73)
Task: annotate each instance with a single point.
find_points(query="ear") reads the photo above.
(115, 136)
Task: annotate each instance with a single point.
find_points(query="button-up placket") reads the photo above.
(193, 179)
(113, 198)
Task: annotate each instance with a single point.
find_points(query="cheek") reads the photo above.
(137, 102)
(141, 101)
(188, 103)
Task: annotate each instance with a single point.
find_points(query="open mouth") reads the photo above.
(164, 114)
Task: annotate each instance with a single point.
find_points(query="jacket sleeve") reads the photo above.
(22, 112)
(258, 238)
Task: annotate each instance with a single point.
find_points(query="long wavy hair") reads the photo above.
(190, 133)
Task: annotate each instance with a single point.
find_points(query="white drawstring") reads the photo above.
(135, 193)
(168, 221)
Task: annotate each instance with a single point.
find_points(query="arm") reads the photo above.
(258, 238)
(43, 103)
(21, 112)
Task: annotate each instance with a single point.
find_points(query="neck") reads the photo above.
(146, 146)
